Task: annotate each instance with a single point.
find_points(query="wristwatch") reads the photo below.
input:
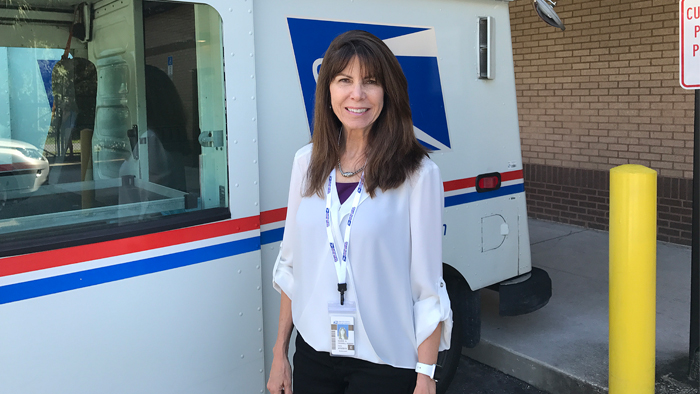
(426, 369)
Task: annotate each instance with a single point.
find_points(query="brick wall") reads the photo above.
(602, 93)
(581, 197)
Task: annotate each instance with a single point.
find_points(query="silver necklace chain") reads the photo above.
(343, 173)
(349, 174)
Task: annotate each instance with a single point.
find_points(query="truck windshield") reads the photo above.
(111, 113)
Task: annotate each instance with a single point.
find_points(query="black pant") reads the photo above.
(319, 373)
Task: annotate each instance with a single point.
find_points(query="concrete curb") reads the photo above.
(536, 373)
(548, 378)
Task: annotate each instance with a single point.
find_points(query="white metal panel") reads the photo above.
(241, 105)
(464, 249)
(191, 329)
(484, 133)
(195, 329)
(484, 128)
(271, 308)
(242, 119)
(242, 125)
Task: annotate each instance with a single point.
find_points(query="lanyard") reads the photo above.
(342, 263)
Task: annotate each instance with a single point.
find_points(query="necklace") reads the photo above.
(349, 174)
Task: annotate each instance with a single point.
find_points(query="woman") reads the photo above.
(364, 174)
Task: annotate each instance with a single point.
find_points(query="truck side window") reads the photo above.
(125, 128)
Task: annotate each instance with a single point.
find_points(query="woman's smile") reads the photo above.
(358, 111)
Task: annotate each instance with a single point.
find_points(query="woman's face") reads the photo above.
(357, 99)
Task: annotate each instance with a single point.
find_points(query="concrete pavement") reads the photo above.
(563, 347)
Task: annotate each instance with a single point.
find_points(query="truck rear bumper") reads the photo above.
(524, 294)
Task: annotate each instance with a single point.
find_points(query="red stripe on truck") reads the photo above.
(77, 254)
(471, 182)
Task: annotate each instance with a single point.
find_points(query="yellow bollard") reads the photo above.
(632, 279)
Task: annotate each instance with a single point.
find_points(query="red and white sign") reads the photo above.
(690, 43)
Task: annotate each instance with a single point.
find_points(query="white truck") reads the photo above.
(144, 263)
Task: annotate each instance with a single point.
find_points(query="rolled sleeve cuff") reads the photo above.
(283, 279)
(431, 311)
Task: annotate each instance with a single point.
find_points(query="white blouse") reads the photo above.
(394, 269)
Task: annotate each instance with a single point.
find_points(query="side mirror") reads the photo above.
(545, 9)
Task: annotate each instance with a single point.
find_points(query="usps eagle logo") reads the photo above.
(414, 47)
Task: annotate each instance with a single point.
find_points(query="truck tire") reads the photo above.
(448, 360)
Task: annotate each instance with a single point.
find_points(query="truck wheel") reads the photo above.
(448, 360)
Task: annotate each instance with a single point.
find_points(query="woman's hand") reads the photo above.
(281, 376)
(281, 372)
(424, 385)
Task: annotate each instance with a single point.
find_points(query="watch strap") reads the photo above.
(426, 369)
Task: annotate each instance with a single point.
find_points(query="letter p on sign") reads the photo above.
(689, 37)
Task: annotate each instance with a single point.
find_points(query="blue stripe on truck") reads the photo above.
(472, 197)
(96, 276)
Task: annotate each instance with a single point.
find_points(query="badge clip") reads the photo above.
(342, 288)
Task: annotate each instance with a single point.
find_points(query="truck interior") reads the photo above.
(125, 101)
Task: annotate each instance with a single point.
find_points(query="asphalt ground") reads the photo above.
(473, 377)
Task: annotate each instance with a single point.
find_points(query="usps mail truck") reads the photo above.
(139, 260)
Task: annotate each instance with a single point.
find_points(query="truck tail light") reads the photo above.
(488, 182)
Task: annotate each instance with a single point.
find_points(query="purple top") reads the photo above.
(345, 190)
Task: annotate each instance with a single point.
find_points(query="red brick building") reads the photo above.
(602, 93)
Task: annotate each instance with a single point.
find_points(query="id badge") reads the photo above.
(342, 320)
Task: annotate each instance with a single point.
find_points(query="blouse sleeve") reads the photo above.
(431, 303)
(283, 271)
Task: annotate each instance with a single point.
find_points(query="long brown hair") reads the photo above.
(393, 152)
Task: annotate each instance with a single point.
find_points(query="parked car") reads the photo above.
(23, 169)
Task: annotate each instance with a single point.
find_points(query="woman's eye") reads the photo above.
(371, 81)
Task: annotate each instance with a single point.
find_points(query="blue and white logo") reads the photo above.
(414, 47)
